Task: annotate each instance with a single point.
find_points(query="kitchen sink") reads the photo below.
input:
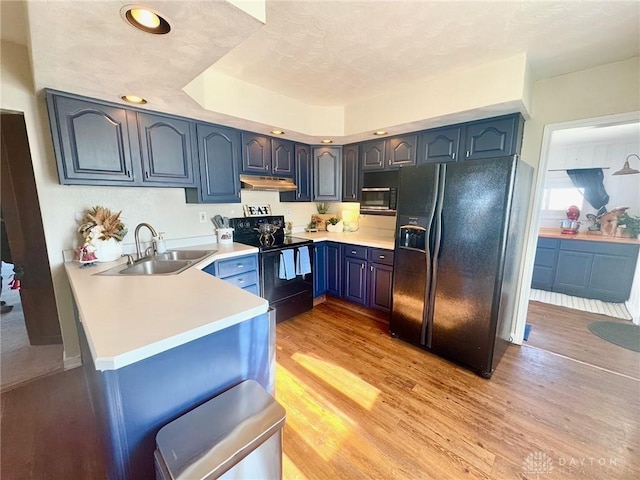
(194, 255)
(157, 267)
(171, 262)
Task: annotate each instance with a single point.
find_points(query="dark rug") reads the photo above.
(626, 335)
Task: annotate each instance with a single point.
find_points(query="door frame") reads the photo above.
(531, 238)
(25, 231)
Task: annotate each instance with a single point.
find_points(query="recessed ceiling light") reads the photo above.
(145, 19)
(277, 132)
(133, 99)
(327, 141)
(380, 132)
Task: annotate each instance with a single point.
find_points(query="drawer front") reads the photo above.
(545, 257)
(606, 248)
(252, 289)
(355, 251)
(379, 255)
(235, 266)
(243, 280)
(548, 242)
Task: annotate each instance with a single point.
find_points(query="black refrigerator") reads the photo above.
(459, 241)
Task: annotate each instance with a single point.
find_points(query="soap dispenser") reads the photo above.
(161, 247)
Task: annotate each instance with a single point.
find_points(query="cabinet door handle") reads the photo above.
(240, 265)
(241, 280)
(298, 194)
(146, 174)
(381, 256)
(380, 163)
(468, 153)
(353, 195)
(266, 167)
(362, 266)
(275, 169)
(353, 252)
(128, 174)
(371, 267)
(453, 156)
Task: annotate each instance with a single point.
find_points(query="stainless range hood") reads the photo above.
(269, 184)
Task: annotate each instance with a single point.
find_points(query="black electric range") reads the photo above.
(289, 296)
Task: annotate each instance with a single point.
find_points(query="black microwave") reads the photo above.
(379, 200)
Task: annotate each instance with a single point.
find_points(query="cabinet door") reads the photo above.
(302, 176)
(573, 272)
(439, 145)
(327, 174)
(319, 269)
(91, 142)
(401, 150)
(611, 278)
(544, 267)
(495, 137)
(282, 157)
(166, 150)
(334, 269)
(372, 154)
(256, 153)
(380, 281)
(355, 280)
(218, 155)
(350, 174)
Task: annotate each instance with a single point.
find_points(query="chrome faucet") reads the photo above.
(137, 237)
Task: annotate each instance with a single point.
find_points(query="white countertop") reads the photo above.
(129, 318)
(366, 239)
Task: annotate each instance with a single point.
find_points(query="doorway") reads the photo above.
(31, 338)
(593, 143)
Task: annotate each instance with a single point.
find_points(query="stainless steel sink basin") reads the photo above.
(171, 262)
(194, 255)
(157, 267)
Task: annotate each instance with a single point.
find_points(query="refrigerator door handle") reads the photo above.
(431, 292)
(425, 333)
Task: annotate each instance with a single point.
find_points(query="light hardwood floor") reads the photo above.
(565, 331)
(361, 405)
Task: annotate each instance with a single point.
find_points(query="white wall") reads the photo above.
(604, 90)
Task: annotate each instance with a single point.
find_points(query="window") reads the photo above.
(561, 198)
(559, 194)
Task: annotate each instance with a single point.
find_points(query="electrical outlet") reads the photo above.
(203, 217)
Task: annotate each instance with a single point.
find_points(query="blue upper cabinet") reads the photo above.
(372, 155)
(166, 149)
(262, 155)
(401, 150)
(282, 158)
(327, 174)
(495, 137)
(97, 143)
(351, 174)
(439, 145)
(302, 176)
(218, 160)
(91, 142)
(256, 154)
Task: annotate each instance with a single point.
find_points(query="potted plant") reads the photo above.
(102, 232)
(631, 223)
(334, 224)
(323, 207)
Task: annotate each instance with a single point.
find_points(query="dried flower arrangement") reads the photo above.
(99, 222)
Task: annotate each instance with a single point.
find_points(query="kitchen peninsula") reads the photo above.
(156, 346)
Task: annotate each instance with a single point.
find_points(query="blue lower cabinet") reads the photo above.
(334, 269)
(355, 280)
(241, 271)
(134, 402)
(319, 269)
(380, 285)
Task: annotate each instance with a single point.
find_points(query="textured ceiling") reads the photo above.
(319, 52)
(332, 53)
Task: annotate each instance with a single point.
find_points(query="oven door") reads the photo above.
(288, 297)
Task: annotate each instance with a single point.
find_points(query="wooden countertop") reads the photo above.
(129, 318)
(584, 236)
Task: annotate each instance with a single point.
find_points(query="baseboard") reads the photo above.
(635, 314)
(71, 362)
